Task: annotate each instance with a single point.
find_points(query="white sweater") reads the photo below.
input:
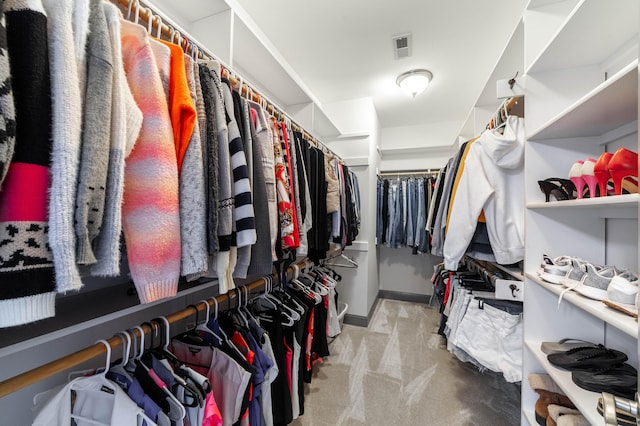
(493, 180)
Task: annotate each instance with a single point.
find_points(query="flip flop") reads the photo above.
(564, 345)
(585, 358)
(621, 380)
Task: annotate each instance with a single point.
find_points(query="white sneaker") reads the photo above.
(623, 290)
(553, 270)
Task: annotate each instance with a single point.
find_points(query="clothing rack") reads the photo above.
(172, 32)
(38, 374)
(410, 172)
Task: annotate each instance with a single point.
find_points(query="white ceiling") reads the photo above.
(343, 49)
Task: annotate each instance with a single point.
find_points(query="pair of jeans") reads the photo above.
(412, 211)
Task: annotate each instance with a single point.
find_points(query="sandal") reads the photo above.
(622, 417)
(620, 380)
(564, 345)
(561, 189)
(585, 358)
(549, 394)
(562, 416)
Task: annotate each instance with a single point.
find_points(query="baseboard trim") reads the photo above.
(360, 320)
(404, 297)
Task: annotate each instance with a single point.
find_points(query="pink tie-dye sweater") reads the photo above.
(151, 218)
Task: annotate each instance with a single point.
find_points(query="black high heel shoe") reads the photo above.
(561, 189)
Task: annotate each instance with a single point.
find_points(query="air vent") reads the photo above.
(402, 46)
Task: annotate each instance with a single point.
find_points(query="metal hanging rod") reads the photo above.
(410, 172)
(59, 365)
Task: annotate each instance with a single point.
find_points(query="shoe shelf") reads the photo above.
(607, 107)
(616, 206)
(584, 400)
(587, 36)
(622, 322)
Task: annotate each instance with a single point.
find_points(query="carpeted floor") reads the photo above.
(398, 372)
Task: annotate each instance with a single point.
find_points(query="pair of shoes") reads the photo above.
(581, 174)
(564, 345)
(621, 168)
(588, 357)
(619, 380)
(563, 416)
(550, 394)
(561, 189)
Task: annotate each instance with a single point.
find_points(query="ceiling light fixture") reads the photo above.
(414, 82)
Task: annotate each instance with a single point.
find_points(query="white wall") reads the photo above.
(426, 146)
(403, 272)
(359, 287)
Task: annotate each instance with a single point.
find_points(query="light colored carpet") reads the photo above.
(398, 372)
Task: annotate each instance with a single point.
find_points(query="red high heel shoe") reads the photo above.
(601, 171)
(624, 171)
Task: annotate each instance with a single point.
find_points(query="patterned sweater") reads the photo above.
(7, 109)
(151, 218)
(27, 289)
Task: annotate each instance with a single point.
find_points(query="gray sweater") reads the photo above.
(193, 221)
(96, 136)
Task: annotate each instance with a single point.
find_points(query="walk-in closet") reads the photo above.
(237, 212)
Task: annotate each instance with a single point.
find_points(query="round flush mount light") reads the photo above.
(414, 82)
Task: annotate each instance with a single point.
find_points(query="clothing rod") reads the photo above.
(410, 172)
(59, 365)
(170, 30)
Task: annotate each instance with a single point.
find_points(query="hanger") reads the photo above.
(350, 263)
(101, 378)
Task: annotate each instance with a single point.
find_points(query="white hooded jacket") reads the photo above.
(493, 180)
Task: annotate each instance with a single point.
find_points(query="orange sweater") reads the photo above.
(181, 107)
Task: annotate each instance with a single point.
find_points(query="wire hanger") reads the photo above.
(350, 263)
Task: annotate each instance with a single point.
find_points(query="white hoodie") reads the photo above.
(493, 180)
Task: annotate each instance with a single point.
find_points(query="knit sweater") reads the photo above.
(241, 112)
(151, 217)
(96, 135)
(193, 222)
(245, 226)
(27, 289)
(264, 140)
(182, 108)
(126, 120)
(260, 263)
(208, 138)
(7, 109)
(214, 102)
(66, 127)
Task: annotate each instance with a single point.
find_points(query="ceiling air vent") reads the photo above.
(402, 46)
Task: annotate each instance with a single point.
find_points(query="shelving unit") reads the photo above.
(584, 400)
(622, 322)
(581, 61)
